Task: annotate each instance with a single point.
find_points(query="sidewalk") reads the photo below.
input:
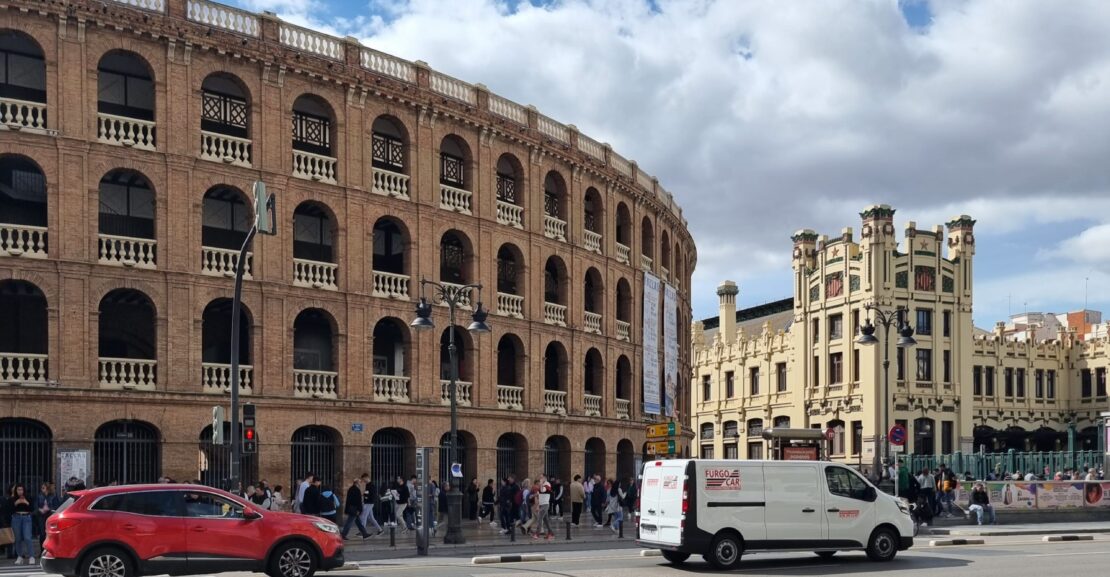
(1019, 529)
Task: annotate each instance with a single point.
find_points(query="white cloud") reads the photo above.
(764, 117)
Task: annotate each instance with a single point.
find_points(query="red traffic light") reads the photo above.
(248, 434)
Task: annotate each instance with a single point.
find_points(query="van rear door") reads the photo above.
(661, 502)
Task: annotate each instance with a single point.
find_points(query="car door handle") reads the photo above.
(652, 511)
(199, 529)
(808, 510)
(128, 527)
(833, 510)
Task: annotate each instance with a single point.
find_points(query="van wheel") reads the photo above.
(106, 562)
(725, 552)
(825, 554)
(675, 558)
(883, 545)
(292, 560)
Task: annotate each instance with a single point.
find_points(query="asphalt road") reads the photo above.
(1012, 557)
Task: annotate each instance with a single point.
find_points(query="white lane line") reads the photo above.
(1069, 554)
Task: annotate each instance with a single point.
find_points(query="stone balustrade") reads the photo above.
(222, 262)
(591, 241)
(20, 114)
(452, 87)
(390, 285)
(510, 214)
(152, 5)
(624, 254)
(454, 199)
(314, 167)
(127, 251)
(645, 262)
(555, 314)
(554, 228)
(593, 322)
(624, 331)
(510, 398)
(555, 402)
(24, 368)
(510, 305)
(23, 240)
(315, 384)
(462, 393)
(391, 389)
(124, 131)
(624, 409)
(226, 149)
(311, 41)
(508, 109)
(464, 296)
(140, 374)
(388, 65)
(315, 274)
(389, 183)
(215, 378)
(223, 17)
(592, 405)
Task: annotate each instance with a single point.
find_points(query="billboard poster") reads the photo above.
(1013, 495)
(651, 345)
(1097, 494)
(670, 349)
(1060, 496)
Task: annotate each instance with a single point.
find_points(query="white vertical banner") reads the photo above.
(652, 393)
(670, 349)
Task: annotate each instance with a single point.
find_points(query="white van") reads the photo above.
(723, 509)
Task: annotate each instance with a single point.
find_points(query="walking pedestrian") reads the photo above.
(557, 494)
(329, 504)
(277, 500)
(310, 496)
(488, 502)
(353, 510)
(577, 499)
(472, 499)
(22, 509)
(598, 497)
(302, 488)
(505, 500)
(401, 494)
(543, 509)
(369, 501)
(46, 502)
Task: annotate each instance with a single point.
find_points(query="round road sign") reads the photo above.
(830, 433)
(897, 435)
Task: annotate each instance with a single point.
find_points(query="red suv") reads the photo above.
(135, 530)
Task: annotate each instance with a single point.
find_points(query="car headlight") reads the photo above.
(326, 527)
(903, 507)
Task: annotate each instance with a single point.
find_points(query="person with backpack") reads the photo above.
(329, 505)
(946, 491)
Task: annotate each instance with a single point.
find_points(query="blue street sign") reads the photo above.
(897, 435)
(456, 470)
(356, 427)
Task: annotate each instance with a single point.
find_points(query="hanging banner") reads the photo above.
(670, 349)
(651, 345)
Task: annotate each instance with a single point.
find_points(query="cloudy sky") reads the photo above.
(764, 117)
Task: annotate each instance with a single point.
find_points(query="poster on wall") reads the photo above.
(1096, 495)
(1013, 495)
(670, 349)
(651, 345)
(1060, 496)
(73, 464)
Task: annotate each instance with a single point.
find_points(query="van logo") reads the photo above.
(849, 514)
(722, 479)
(653, 482)
(670, 482)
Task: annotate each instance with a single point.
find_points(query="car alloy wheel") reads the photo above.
(107, 565)
(295, 562)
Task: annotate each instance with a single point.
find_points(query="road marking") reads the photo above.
(1069, 554)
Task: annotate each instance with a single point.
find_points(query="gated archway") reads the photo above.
(27, 453)
(465, 457)
(392, 455)
(556, 457)
(214, 461)
(315, 450)
(595, 457)
(512, 456)
(626, 460)
(127, 452)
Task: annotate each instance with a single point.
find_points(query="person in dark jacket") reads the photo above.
(598, 498)
(369, 501)
(505, 501)
(981, 504)
(329, 505)
(353, 510)
(472, 500)
(488, 502)
(311, 503)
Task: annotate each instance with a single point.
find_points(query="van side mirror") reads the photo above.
(870, 494)
(250, 514)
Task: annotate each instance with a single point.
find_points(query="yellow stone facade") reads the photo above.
(796, 363)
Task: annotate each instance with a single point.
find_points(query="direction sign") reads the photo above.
(662, 430)
(897, 435)
(661, 448)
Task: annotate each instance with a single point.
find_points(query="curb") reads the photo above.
(1055, 538)
(651, 553)
(348, 566)
(948, 542)
(488, 559)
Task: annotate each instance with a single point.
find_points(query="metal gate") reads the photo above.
(626, 465)
(26, 453)
(506, 457)
(588, 461)
(214, 461)
(126, 452)
(445, 459)
(314, 451)
(387, 456)
(551, 458)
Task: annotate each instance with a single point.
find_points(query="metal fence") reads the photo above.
(982, 464)
(214, 461)
(507, 458)
(314, 451)
(26, 451)
(126, 452)
(388, 456)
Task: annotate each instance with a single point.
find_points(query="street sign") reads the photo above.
(661, 448)
(662, 430)
(830, 433)
(897, 449)
(456, 470)
(356, 427)
(897, 435)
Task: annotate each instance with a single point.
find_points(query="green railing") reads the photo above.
(980, 464)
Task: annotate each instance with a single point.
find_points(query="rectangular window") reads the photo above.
(988, 382)
(1085, 386)
(1008, 382)
(900, 362)
(780, 377)
(947, 361)
(707, 451)
(855, 322)
(857, 437)
(924, 365)
(1100, 382)
(977, 381)
(706, 388)
(753, 380)
(946, 437)
(1051, 392)
(1020, 383)
(731, 451)
(816, 371)
(730, 385)
(1038, 384)
(947, 323)
(388, 152)
(855, 365)
(836, 368)
(755, 450)
(924, 322)
(311, 134)
(451, 171)
(836, 327)
(816, 331)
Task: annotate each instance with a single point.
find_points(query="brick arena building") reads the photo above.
(131, 132)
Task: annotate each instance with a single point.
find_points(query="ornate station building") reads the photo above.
(796, 363)
(131, 132)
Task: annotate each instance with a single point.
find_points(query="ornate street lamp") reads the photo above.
(887, 320)
(451, 295)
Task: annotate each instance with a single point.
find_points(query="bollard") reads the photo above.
(620, 529)
(567, 524)
(392, 536)
(512, 532)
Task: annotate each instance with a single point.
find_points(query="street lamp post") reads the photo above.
(452, 296)
(886, 319)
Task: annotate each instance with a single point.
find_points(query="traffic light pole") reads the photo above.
(236, 441)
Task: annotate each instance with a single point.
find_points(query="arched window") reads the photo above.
(312, 341)
(754, 434)
(225, 222)
(392, 455)
(594, 300)
(216, 348)
(626, 460)
(125, 86)
(838, 445)
(127, 343)
(555, 281)
(464, 349)
(510, 365)
(593, 220)
(454, 158)
(623, 232)
(317, 450)
(510, 273)
(455, 258)
(665, 253)
(508, 176)
(554, 367)
(127, 220)
(23, 333)
(647, 242)
(555, 206)
(22, 208)
(388, 146)
(391, 342)
(390, 263)
(313, 233)
(22, 80)
(624, 378)
(782, 422)
(312, 125)
(127, 452)
(594, 376)
(556, 457)
(225, 120)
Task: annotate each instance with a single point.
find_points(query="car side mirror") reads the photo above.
(870, 494)
(250, 514)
